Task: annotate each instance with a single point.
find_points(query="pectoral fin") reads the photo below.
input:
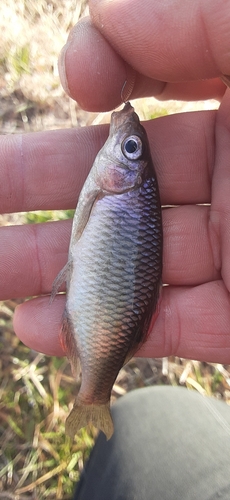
(60, 278)
(89, 194)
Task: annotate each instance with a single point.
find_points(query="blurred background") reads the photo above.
(36, 392)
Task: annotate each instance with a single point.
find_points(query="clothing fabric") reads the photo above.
(169, 443)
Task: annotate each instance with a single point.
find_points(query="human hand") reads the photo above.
(190, 153)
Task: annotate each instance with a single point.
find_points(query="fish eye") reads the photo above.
(132, 147)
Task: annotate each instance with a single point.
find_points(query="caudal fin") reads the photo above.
(81, 415)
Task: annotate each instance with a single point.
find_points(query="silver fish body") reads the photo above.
(114, 269)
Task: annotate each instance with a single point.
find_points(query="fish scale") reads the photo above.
(100, 223)
(114, 270)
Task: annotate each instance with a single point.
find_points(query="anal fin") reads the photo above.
(69, 346)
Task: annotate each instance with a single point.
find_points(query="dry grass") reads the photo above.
(36, 391)
(36, 460)
(32, 35)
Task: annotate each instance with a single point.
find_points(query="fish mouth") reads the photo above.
(126, 116)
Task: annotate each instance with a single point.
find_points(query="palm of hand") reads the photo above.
(191, 155)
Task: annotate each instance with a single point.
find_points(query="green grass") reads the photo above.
(48, 215)
(35, 397)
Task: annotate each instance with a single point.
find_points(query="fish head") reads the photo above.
(121, 163)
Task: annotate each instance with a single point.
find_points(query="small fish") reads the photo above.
(113, 274)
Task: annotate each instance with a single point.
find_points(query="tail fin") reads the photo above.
(81, 415)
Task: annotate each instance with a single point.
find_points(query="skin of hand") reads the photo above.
(180, 50)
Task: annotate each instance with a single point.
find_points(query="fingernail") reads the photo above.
(226, 80)
(62, 70)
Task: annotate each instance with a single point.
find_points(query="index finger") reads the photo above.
(46, 170)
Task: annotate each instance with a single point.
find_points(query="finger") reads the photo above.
(193, 323)
(42, 331)
(93, 74)
(192, 91)
(46, 170)
(31, 256)
(183, 153)
(86, 67)
(171, 40)
(188, 246)
(220, 213)
(188, 254)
